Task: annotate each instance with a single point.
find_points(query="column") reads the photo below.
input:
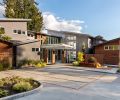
(53, 57)
(63, 56)
(45, 55)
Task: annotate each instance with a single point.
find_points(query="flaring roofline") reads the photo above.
(14, 20)
(109, 41)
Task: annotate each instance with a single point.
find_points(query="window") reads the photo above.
(23, 32)
(111, 47)
(15, 31)
(37, 49)
(19, 31)
(116, 47)
(33, 49)
(106, 47)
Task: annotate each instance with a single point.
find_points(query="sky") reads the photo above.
(94, 17)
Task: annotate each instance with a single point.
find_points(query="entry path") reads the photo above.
(62, 82)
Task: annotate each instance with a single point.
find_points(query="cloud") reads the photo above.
(2, 11)
(56, 23)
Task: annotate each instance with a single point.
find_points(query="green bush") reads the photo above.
(37, 63)
(75, 63)
(4, 64)
(4, 37)
(22, 86)
(1, 67)
(3, 93)
(92, 60)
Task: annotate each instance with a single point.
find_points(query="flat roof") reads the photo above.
(56, 46)
(14, 20)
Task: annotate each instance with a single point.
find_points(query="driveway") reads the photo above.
(62, 82)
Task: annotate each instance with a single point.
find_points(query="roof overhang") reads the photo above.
(56, 46)
(14, 20)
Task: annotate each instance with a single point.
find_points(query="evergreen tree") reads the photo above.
(24, 9)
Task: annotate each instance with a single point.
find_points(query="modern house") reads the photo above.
(110, 51)
(61, 46)
(24, 46)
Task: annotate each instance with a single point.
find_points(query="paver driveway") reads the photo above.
(65, 83)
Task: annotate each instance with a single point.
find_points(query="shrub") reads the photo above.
(1, 67)
(43, 64)
(80, 57)
(4, 37)
(37, 63)
(92, 60)
(22, 86)
(75, 63)
(3, 93)
(4, 64)
(1, 83)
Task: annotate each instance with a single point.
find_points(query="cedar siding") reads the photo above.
(110, 56)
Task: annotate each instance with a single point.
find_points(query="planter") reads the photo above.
(15, 86)
(22, 94)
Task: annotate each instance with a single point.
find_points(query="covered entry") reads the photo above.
(53, 53)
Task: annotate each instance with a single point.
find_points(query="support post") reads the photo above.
(46, 55)
(63, 56)
(53, 56)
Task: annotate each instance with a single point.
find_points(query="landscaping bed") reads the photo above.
(13, 85)
(32, 63)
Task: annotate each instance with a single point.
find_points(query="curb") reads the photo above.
(95, 70)
(23, 94)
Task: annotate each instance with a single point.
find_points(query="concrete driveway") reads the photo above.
(62, 82)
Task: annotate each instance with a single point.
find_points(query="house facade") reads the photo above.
(65, 45)
(110, 51)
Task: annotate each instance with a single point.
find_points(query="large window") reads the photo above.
(53, 40)
(71, 37)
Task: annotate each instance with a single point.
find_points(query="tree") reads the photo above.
(2, 36)
(24, 9)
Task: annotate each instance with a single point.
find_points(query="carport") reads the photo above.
(51, 51)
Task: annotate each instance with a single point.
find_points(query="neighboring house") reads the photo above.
(110, 51)
(25, 46)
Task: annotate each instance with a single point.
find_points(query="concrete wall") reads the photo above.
(10, 26)
(25, 51)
